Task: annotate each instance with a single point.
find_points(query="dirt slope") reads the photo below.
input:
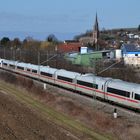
(18, 122)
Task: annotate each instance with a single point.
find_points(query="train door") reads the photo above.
(132, 96)
(75, 82)
(105, 85)
(104, 90)
(54, 76)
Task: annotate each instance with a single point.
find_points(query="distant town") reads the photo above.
(83, 88)
(97, 51)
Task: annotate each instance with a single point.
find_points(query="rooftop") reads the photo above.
(131, 48)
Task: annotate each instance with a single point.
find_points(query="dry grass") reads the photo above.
(121, 128)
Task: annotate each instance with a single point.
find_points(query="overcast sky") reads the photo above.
(67, 16)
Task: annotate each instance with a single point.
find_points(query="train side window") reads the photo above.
(65, 78)
(102, 87)
(87, 84)
(28, 69)
(46, 74)
(95, 86)
(132, 95)
(34, 71)
(21, 68)
(5, 64)
(12, 66)
(137, 96)
(118, 92)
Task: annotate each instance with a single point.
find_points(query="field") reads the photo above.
(34, 114)
(18, 122)
(24, 117)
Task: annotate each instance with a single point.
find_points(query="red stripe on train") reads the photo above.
(87, 88)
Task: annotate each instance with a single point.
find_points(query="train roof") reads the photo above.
(27, 65)
(8, 61)
(87, 78)
(1, 60)
(92, 78)
(32, 66)
(47, 69)
(21, 64)
(66, 73)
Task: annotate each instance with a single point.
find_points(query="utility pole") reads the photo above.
(109, 67)
(4, 52)
(56, 54)
(38, 62)
(94, 91)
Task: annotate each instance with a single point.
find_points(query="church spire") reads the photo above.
(96, 26)
(96, 32)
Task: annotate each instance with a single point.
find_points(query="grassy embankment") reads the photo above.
(49, 113)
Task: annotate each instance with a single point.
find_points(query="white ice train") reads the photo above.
(113, 90)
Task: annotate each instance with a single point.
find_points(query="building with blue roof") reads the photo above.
(131, 54)
(130, 50)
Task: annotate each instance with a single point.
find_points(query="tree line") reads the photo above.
(51, 40)
(28, 49)
(36, 52)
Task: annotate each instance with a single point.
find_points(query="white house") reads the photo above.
(131, 55)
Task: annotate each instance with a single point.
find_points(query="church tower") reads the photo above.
(96, 33)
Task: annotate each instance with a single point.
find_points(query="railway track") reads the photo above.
(98, 104)
(55, 118)
(86, 100)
